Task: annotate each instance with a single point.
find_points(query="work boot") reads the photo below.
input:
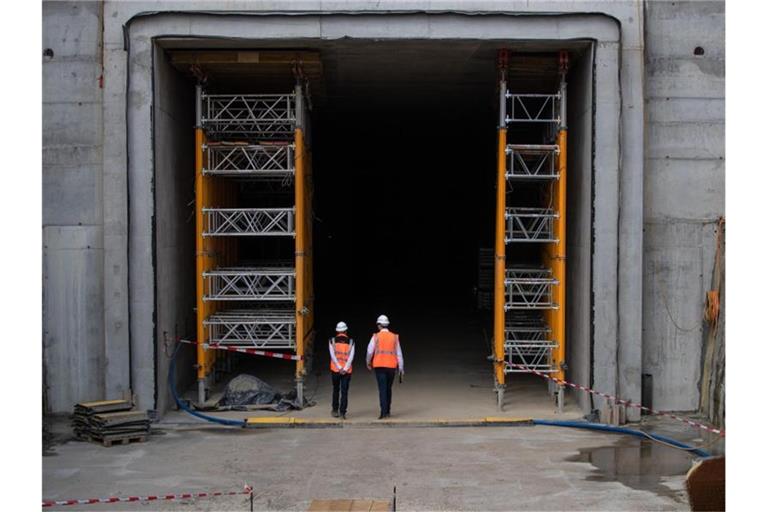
(335, 414)
(381, 416)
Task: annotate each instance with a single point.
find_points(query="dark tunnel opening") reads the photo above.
(404, 200)
(404, 169)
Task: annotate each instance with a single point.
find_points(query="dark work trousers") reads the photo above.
(340, 383)
(384, 378)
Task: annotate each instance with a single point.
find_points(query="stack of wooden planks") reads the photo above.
(110, 422)
(350, 505)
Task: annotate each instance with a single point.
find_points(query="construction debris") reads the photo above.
(247, 392)
(109, 422)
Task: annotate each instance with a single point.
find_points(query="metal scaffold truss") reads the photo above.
(527, 161)
(530, 225)
(249, 160)
(248, 221)
(529, 300)
(529, 288)
(250, 284)
(258, 328)
(527, 343)
(533, 355)
(533, 108)
(266, 116)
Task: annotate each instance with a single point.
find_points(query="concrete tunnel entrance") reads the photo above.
(404, 151)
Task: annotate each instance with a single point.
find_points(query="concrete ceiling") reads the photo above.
(381, 73)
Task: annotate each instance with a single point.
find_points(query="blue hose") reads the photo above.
(185, 407)
(550, 423)
(621, 430)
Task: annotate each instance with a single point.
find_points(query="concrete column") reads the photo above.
(629, 350)
(605, 263)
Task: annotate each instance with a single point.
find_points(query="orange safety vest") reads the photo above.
(385, 349)
(341, 349)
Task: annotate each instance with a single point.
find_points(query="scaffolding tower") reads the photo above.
(256, 139)
(529, 301)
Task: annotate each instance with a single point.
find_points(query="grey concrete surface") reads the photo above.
(71, 254)
(629, 345)
(684, 189)
(174, 250)
(306, 28)
(87, 148)
(447, 377)
(579, 225)
(605, 299)
(73, 349)
(520, 468)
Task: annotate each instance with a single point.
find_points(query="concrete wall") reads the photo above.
(174, 253)
(684, 189)
(579, 225)
(670, 185)
(73, 248)
(304, 29)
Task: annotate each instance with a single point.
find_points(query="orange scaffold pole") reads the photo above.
(200, 245)
(500, 243)
(559, 249)
(300, 225)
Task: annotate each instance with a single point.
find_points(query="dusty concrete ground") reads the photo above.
(486, 468)
(448, 376)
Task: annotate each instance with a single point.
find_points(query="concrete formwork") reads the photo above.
(579, 233)
(74, 361)
(145, 30)
(623, 198)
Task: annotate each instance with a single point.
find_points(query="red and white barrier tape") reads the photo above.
(616, 399)
(241, 350)
(161, 497)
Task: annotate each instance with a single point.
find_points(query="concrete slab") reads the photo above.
(448, 377)
(528, 468)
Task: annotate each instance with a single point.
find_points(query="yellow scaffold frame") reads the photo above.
(212, 252)
(554, 252)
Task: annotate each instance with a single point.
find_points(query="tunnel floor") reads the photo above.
(447, 376)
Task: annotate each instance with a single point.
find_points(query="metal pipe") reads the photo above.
(563, 103)
(559, 249)
(543, 148)
(198, 106)
(199, 245)
(300, 225)
(500, 252)
(298, 106)
(559, 256)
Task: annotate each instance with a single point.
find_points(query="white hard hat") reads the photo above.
(341, 327)
(382, 320)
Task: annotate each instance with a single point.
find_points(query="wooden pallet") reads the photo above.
(109, 441)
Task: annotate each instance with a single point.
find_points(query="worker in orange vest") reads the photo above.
(342, 350)
(385, 357)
